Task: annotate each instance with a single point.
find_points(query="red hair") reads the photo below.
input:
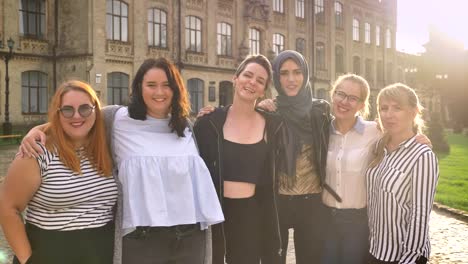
(96, 149)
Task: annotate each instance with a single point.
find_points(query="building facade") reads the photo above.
(104, 42)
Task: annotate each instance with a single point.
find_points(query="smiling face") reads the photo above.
(346, 100)
(157, 94)
(397, 118)
(251, 82)
(291, 77)
(77, 127)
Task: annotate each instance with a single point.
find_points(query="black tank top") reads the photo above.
(245, 162)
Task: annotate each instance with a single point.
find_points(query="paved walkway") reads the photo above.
(449, 236)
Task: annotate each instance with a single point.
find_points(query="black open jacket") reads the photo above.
(209, 134)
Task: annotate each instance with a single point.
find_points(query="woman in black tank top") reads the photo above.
(238, 163)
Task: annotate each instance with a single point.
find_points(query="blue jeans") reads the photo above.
(347, 239)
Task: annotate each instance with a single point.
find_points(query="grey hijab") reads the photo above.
(295, 110)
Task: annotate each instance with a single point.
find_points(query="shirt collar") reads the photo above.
(359, 126)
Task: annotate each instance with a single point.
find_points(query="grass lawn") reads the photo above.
(452, 189)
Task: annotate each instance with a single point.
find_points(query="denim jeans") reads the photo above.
(182, 244)
(347, 238)
(304, 214)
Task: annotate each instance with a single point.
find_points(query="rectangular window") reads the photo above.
(355, 29)
(224, 39)
(32, 18)
(300, 8)
(254, 41)
(193, 34)
(157, 28)
(278, 6)
(367, 31)
(377, 36)
(319, 12)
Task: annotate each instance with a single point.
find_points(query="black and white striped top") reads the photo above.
(400, 192)
(67, 200)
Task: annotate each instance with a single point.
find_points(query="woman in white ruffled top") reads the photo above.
(167, 199)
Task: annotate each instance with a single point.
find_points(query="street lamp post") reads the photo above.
(7, 127)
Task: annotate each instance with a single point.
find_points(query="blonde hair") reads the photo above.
(96, 148)
(363, 85)
(404, 96)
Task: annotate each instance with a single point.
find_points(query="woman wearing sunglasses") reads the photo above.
(167, 199)
(69, 190)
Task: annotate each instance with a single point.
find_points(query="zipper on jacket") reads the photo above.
(280, 250)
(221, 192)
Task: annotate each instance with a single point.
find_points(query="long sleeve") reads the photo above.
(424, 181)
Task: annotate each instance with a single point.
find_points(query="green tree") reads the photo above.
(435, 132)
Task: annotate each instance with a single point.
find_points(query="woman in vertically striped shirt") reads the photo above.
(69, 189)
(401, 182)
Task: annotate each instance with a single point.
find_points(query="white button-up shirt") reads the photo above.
(347, 160)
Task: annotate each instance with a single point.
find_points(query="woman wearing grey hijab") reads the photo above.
(301, 175)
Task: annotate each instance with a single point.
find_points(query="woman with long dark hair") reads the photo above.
(167, 199)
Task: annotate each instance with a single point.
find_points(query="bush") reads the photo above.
(435, 132)
(457, 128)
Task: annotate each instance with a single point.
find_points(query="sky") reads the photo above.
(415, 16)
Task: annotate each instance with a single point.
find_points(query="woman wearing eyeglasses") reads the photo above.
(69, 190)
(349, 152)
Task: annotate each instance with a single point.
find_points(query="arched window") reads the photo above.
(193, 34)
(339, 60)
(300, 45)
(226, 93)
(157, 28)
(320, 55)
(196, 90)
(117, 88)
(339, 15)
(369, 72)
(254, 41)
(278, 6)
(117, 20)
(34, 99)
(278, 43)
(357, 65)
(224, 39)
(32, 18)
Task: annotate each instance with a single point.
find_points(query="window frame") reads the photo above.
(254, 43)
(153, 24)
(339, 19)
(124, 97)
(200, 93)
(278, 42)
(367, 33)
(299, 9)
(320, 56)
(41, 93)
(319, 11)
(278, 6)
(356, 29)
(38, 16)
(112, 17)
(224, 39)
(193, 29)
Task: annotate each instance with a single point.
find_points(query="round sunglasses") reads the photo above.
(84, 110)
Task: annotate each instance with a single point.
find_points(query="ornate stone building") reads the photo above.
(104, 41)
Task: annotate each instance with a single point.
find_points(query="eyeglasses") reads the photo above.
(84, 110)
(351, 98)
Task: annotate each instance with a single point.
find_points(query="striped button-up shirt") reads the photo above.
(401, 191)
